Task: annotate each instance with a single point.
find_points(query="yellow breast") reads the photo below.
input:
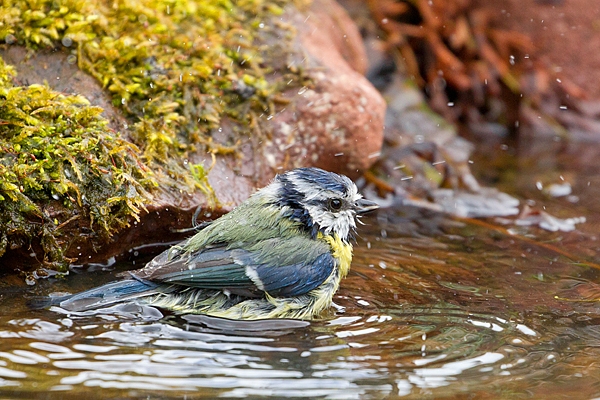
(341, 251)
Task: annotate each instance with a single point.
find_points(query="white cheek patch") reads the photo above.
(340, 223)
(314, 199)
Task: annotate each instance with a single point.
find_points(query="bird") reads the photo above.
(280, 254)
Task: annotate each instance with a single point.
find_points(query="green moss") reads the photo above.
(200, 175)
(61, 163)
(175, 68)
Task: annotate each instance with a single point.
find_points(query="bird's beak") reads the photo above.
(364, 205)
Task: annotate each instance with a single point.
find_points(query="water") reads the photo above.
(434, 307)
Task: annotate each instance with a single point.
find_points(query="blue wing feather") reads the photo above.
(107, 294)
(212, 268)
(221, 267)
(296, 279)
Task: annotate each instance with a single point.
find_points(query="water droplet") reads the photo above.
(539, 185)
(10, 39)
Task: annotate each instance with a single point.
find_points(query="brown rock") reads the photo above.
(336, 124)
(61, 73)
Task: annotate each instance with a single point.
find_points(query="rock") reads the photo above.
(335, 122)
(61, 73)
(423, 156)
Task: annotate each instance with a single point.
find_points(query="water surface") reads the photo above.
(434, 307)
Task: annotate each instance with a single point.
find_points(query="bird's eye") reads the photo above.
(334, 204)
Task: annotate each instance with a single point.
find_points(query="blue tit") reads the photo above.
(280, 254)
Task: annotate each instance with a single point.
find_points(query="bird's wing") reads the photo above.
(282, 268)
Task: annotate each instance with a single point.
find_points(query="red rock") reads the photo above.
(335, 124)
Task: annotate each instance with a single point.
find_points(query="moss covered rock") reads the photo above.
(203, 100)
(62, 164)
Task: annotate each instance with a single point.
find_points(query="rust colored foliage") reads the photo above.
(453, 49)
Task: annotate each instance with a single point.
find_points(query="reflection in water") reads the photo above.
(433, 307)
(404, 325)
(345, 357)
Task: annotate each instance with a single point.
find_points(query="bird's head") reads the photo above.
(322, 201)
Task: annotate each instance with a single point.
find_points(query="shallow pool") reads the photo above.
(434, 307)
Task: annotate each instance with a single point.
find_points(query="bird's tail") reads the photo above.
(102, 296)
